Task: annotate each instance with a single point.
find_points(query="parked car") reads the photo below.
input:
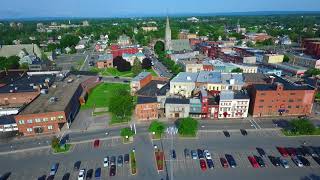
(106, 161)
(66, 176)
(304, 160)
(54, 169)
(260, 161)
(76, 165)
(96, 143)
(126, 81)
(243, 132)
(284, 163)
(231, 160)
(207, 154)
(97, 174)
(291, 151)
(112, 171)
(224, 162)
(126, 158)
(200, 153)
(116, 77)
(300, 152)
(187, 153)
(283, 151)
(274, 160)
(309, 151)
(253, 162)
(316, 159)
(297, 161)
(194, 154)
(82, 174)
(203, 164)
(210, 163)
(89, 174)
(226, 133)
(112, 160)
(316, 150)
(120, 160)
(261, 152)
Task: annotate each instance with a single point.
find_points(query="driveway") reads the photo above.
(85, 121)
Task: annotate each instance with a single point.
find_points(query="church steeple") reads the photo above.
(167, 40)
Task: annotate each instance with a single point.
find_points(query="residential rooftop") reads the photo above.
(145, 100)
(185, 77)
(154, 88)
(177, 101)
(104, 57)
(57, 98)
(287, 85)
(230, 95)
(141, 76)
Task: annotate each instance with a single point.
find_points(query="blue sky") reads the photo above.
(114, 8)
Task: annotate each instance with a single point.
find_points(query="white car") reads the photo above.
(207, 154)
(82, 173)
(297, 161)
(106, 161)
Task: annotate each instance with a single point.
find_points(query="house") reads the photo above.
(140, 81)
(132, 57)
(20, 50)
(195, 108)
(183, 84)
(273, 58)
(149, 28)
(146, 108)
(233, 104)
(105, 61)
(177, 108)
(124, 40)
(281, 98)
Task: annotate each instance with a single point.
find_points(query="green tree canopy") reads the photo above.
(146, 63)
(187, 126)
(11, 62)
(312, 72)
(136, 68)
(302, 126)
(159, 47)
(126, 132)
(69, 40)
(54, 142)
(286, 58)
(121, 104)
(237, 70)
(157, 127)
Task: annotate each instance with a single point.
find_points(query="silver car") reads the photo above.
(297, 161)
(284, 163)
(194, 154)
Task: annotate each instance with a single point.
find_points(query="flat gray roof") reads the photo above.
(185, 77)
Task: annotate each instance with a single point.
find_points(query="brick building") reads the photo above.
(312, 46)
(281, 98)
(120, 50)
(147, 108)
(140, 81)
(50, 111)
(105, 61)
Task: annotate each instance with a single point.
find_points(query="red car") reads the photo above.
(283, 151)
(96, 143)
(253, 162)
(224, 162)
(291, 151)
(203, 165)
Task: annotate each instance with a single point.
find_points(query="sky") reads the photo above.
(120, 8)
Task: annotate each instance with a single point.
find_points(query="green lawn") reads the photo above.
(100, 95)
(290, 133)
(115, 72)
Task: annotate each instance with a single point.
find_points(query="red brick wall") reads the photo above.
(147, 111)
(55, 123)
(18, 98)
(145, 81)
(291, 102)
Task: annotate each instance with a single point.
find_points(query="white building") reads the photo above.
(233, 104)
(183, 84)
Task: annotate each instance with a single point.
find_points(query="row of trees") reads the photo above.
(123, 65)
(11, 62)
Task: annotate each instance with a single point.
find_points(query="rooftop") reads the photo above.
(154, 88)
(177, 101)
(180, 44)
(141, 76)
(14, 50)
(229, 95)
(145, 100)
(58, 97)
(255, 78)
(185, 77)
(8, 77)
(287, 85)
(232, 78)
(207, 76)
(104, 57)
(4, 120)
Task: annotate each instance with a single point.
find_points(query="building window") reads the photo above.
(60, 118)
(29, 129)
(53, 118)
(290, 100)
(45, 119)
(21, 121)
(292, 93)
(261, 100)
(260, 106)
(297, 106)
(289, 107)
(262, 94)
(50, 127)
(37, 120)
(299, 100)
(270, 106)
(29, 121)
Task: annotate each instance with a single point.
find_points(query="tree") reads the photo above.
(302, 126)
(146, 63)
(136, 68)
(249, 44)
(187, 126)
(312, 72)
(55, 143)
(11, 62)
(126, 132)
(69, 40)
(122, 104)
(239, 43)
(159, 47)
(121, 64)
(24, 66)
(157, 127)
(237, 70)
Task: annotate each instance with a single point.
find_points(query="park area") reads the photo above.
(115, 72)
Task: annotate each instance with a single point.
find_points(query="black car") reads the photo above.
(210, 163)
(76, 165)
(120, 160)
(5, 176)
(308, 150)
(226, 133)
(200, 153)
(316, 159)
(43, 177)
(243, 132)
(112, 160)
(173, 154)
(112, 170)
(260, 161)
(231, 160)
(261, 152)
(300, 152)
(274, 160)
(316, 150)
(126, 158)
(89, 174)
(51, 177)
(126, 81)
(304, 160)
(66, 176)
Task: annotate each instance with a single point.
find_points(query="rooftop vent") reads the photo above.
(188, 78)
(53, 99)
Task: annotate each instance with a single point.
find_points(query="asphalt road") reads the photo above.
(33, 164)
(157, 65)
